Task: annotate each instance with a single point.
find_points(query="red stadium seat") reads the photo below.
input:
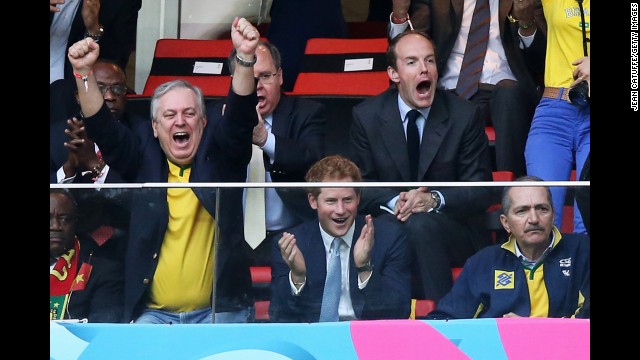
(355, 67)
(201, 62)
(261, 279)
(422, 307)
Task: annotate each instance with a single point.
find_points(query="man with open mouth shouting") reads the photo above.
(414, 132)
(170, 257)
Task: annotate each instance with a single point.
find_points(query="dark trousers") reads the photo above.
(261, 255)
(438, 243)
(509, 110)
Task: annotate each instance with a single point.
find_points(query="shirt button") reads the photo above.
(155, 255)
(145, 281)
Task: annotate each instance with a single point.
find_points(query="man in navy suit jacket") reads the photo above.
(291, 135)
(170, 262)
(375, 259)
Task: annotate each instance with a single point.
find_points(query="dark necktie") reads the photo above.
(332, 285)
(475, 51)
(413, 143)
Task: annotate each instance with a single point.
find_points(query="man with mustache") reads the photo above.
(538, 272)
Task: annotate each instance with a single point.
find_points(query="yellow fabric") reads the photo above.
(183, 280)
(537, 292)
(412, 315)
(564, 39)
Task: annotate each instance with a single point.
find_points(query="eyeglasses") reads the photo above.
(116, 89)
(63, 220)
(267, 78)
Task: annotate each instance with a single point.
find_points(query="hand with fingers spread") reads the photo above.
(293, 257)
(364, 246)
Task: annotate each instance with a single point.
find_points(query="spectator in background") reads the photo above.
(81, 285)
(75, 157)
(538, 272)
(511, 75)
(374, 259)
(112, 23)
(170, 262)
(444, 225)
(560, 134)
(293, 22)
(290, 133)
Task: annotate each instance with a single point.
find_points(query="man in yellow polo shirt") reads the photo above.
(170, 261)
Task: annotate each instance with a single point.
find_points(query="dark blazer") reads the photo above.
(119, 18)
(299, 128)
(454, 147)
(441, 19)
(59, 153)
(102, 299)
(386, 296)
(223, 156)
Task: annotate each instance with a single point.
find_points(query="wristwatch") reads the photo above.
(436, 197)
(95, 37)
(246, 63)
(366, 267)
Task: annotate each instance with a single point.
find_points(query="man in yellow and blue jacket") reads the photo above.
(538, 272)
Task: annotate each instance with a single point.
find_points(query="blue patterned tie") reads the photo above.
(333, 285)
(475, 51)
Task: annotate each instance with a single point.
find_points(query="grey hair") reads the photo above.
(161, 90)
(506, 200)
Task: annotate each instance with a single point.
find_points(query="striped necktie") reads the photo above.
(475, 51)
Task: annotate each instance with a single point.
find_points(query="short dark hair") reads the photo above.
(506, 200)
(67, 194)
(333, 167)
(392, 57)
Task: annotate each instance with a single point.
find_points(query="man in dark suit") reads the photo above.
(170, 262)
(81, 285)
(511, 81)
(75, 158)
(444, 224)
(374, 272)
(290, 133)
(73, 155)
(113, 23)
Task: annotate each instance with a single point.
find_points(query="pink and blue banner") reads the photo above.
(494, 339)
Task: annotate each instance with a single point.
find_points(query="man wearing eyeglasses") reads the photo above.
(74, 157)
(290, 133)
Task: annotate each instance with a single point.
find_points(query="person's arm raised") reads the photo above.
(245, 40)
(83, 55)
